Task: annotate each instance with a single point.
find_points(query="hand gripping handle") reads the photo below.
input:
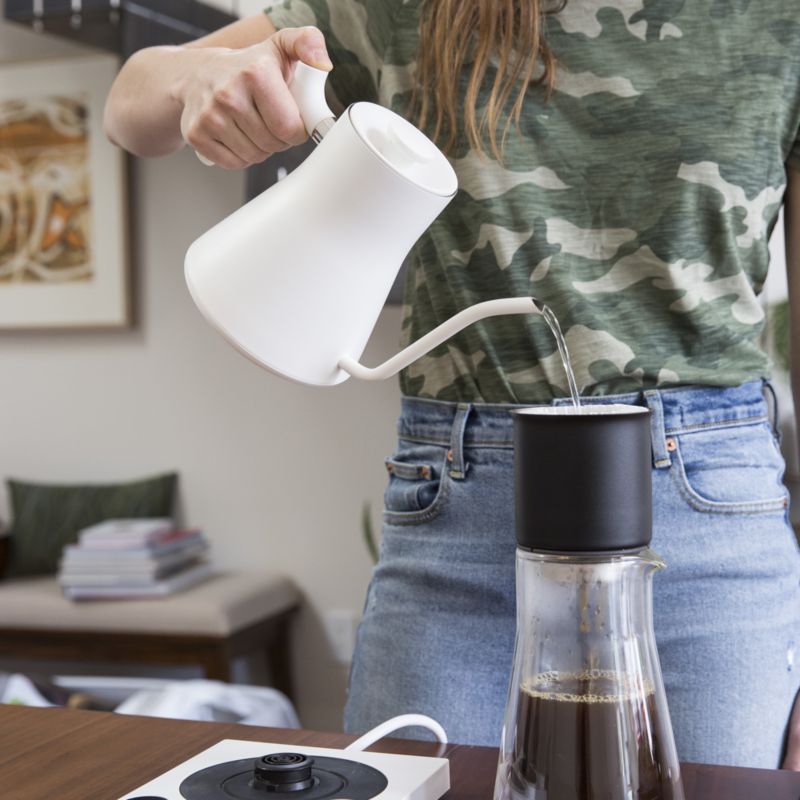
(307, 86)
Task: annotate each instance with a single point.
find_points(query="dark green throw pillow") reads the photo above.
(48, 516)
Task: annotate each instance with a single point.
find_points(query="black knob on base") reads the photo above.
(283, 772)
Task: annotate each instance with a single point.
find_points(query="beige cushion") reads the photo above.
(220, 606)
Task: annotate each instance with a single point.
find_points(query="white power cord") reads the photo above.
(395, 724)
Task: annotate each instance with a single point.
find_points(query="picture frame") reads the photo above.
(63, 212)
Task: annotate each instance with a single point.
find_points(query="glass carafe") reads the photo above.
(586, 718)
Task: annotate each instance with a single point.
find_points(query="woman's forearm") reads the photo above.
(144, 108)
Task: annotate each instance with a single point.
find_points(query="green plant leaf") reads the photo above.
(368, 533)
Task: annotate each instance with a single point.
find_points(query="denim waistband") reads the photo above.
(673, 411)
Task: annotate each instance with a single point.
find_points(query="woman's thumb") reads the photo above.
(304, 44)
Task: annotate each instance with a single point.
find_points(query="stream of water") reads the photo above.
(552, 322)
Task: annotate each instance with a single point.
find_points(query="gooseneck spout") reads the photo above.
(440, 334)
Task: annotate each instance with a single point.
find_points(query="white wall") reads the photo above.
(275, 473)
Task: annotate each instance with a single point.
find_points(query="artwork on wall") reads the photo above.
(63, 253)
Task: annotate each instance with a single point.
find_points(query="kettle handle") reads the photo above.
(307, 86)
(426, 343)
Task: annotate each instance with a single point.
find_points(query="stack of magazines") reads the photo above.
(122, 558)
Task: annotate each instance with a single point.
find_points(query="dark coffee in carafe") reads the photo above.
(569, 744)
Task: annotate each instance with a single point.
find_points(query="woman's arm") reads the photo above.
(224, 94)
(792, 217)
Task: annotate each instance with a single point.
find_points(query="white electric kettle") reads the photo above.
(295, 279)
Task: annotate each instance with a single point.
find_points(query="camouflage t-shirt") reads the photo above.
(637, 201)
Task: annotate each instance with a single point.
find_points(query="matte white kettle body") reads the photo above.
(296, 278)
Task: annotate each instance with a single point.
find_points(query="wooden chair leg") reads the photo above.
(279, 660)
(217, 665)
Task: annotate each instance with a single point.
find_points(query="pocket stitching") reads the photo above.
(409, 472)
(741, 422)
(704, 505)
(426, 514)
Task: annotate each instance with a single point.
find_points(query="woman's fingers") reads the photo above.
(239, 143)
(274, 104)
(253, 125)
(216, 152)
(220, 133)
(219, 155)
(238, 110)
(237, 104)
(302, 44)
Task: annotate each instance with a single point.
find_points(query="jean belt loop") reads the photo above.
(455, 456)
(769, 391)
(658, 435)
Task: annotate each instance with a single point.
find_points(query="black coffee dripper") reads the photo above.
(587, 715)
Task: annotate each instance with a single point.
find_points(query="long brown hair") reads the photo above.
(455, 33)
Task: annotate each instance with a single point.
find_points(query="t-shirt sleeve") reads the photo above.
(356, 34)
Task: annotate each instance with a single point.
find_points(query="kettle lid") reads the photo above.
(403, 148)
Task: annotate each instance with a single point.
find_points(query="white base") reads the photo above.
(409, 777)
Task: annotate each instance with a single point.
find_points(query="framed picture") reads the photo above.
(63, 226)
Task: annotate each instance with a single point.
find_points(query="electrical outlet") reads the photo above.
(341, 628)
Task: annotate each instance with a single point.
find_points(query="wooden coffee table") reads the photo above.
(89, 755)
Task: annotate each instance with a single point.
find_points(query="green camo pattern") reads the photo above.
(637, 201)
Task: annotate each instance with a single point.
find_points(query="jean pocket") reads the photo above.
(416, 486)
(731, 469)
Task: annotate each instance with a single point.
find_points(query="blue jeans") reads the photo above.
(438, 630)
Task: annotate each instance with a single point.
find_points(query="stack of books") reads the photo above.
(122, 558)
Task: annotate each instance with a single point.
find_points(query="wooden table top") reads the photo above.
(88, 755)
